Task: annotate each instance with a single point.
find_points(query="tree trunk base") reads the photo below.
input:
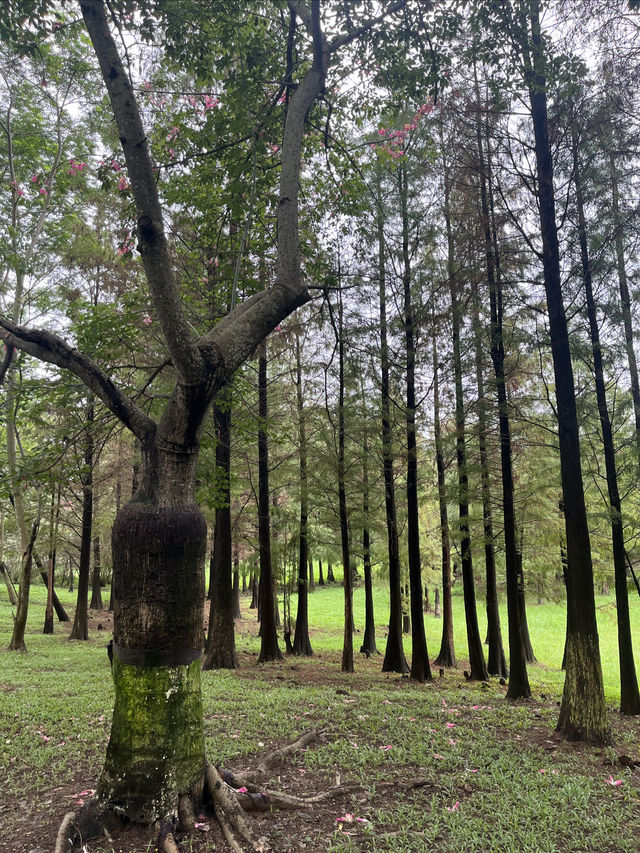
(228, 796)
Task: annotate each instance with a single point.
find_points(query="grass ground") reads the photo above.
(446, 766)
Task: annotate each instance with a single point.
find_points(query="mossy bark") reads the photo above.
(156, 749)
(583, 714)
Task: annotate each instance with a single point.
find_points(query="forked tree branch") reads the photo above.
(48, 347)
(153, 247)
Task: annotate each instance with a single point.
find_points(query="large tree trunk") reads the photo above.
(420, 668)
(629, 694)
(220, 648)
(156, 748)
(394, 657)
(80, 628)
(477, 666)
(269, 649)
(301, 641)
(583, 714)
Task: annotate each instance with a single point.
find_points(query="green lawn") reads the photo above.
(447, 766)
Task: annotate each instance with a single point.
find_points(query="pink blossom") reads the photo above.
(241, 790)
(437, 755)
(123, 184)
(614, 782)
(451, 725)
(19, 191)
(34, 178)
(43, 191)
(454, 807)
(385, 748)
(115, 166)
(345, 818)
(147, 320)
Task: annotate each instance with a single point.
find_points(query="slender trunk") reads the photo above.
(254, 591)
(518, 678)
(301, 641)
(527, 647)
(53, 530)
(269, 649)
(368, 646)
(629, 694)
(118, 505)
(625, 300)
(420, 668)
(394, 657)
(236, 587)
(347, 645)
(583, 713)
(446, 655)
(436, 604)
(17, 643)
(96, 591)
(4, 571)
(320, 574)
(477, 666)
(330, 576)
(80, 628)
(220, 648)
(496, 663)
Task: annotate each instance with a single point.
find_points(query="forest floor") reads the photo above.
(448, 765)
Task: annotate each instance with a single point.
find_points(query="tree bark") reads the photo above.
(220, 648)
(629, 694)
(420, 668)
(496, 663)
(269, 649)
(96, 591)
(518, 677)
(53, 536)
(301, 641)
(583, 713)
(368, 646)
(446, 655)
(394, 657)
(80, 628)
(477, 666)
(347, 644)
(17, 643)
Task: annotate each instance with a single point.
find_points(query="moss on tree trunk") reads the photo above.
(156, 749)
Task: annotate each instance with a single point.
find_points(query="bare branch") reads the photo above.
(50, 348)
(152, 239)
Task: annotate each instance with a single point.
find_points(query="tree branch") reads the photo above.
(152, 239)
(49, 347)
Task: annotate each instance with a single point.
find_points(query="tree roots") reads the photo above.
(232, 796)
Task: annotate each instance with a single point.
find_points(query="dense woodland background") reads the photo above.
(421, 244)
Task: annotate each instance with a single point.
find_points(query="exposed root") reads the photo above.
(186, 814)
(233, 815)
(259, 799)
(166, 841)
(64, 835)
(279, 755)
(227, 829)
